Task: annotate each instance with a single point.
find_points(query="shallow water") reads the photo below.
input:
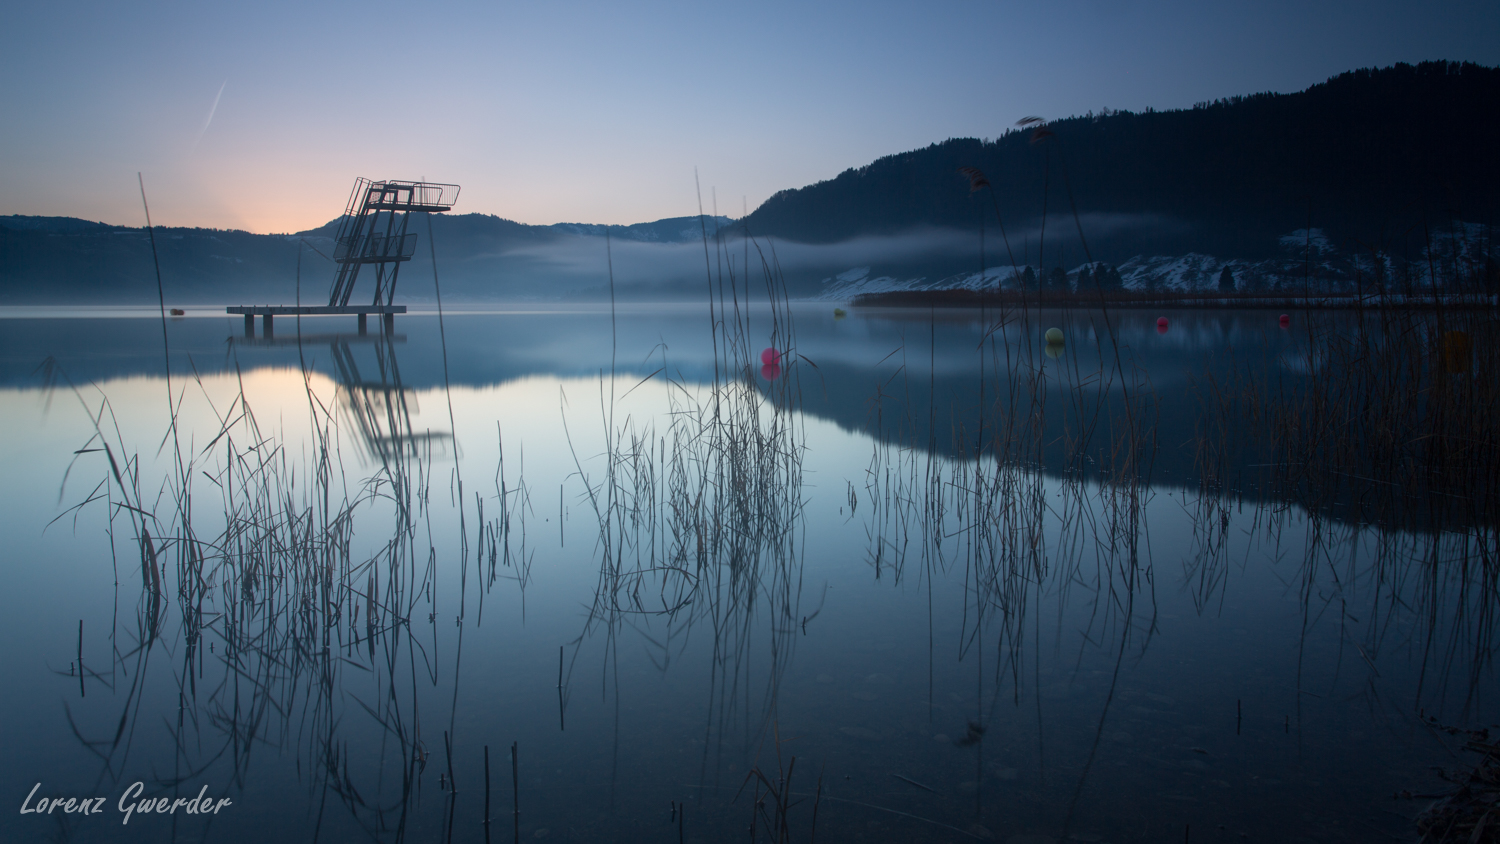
(1147, 661)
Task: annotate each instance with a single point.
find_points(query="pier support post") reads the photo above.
(390, 323)
(362, 325)
(249, 325)
(269, 330)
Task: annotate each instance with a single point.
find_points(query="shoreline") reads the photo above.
(964, 298)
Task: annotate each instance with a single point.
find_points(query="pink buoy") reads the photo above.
(1161, 325)
(770, 357)
(1285, 320)
(770, 371)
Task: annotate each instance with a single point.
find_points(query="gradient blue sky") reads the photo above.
(599, 112)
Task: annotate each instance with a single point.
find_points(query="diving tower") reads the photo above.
(372, 233)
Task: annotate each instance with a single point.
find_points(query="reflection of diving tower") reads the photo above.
(373, 230)
(376, 401)
(381, 408)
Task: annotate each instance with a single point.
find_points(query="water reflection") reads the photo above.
(904, 377)
(378, 405)
(924, 604)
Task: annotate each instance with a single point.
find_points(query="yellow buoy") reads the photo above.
(1054, 335)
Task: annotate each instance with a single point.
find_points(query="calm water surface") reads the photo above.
(533, 555)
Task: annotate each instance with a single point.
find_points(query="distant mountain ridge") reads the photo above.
(22, 222)
(666, 230)
(669, 230)
(57, 259)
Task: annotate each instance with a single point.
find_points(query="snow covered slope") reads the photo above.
(1308, 260)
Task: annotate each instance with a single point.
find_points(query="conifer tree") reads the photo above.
(1226, 280)
(1058, 280)
(1108, 278)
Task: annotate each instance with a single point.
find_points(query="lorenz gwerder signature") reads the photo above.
(131, 803)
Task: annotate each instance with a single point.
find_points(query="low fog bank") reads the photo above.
(487, 260)
(1138, 251)
(584, 267)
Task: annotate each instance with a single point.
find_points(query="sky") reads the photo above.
(259, 116)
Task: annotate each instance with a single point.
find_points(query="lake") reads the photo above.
(924, 578)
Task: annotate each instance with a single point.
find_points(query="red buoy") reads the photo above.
(1285, 320)
(770, 357)
(1161, 325)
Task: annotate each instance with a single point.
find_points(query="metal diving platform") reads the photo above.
(372, 233)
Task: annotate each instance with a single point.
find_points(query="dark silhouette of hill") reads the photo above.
(53, 260)
(1371, 155)
(61, 259)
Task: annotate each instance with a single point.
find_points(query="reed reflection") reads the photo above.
(282, 588)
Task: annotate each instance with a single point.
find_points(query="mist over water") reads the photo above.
(574, 267)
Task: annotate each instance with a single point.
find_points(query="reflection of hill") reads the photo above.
(893, 375)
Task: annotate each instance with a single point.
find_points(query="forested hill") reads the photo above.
(53, 260)
(1370, 155)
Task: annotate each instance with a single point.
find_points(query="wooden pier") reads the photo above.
(268, 313)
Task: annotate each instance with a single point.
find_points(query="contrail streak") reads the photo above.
(213, 108)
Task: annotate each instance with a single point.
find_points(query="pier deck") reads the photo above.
(268, 313)
(313, 310)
